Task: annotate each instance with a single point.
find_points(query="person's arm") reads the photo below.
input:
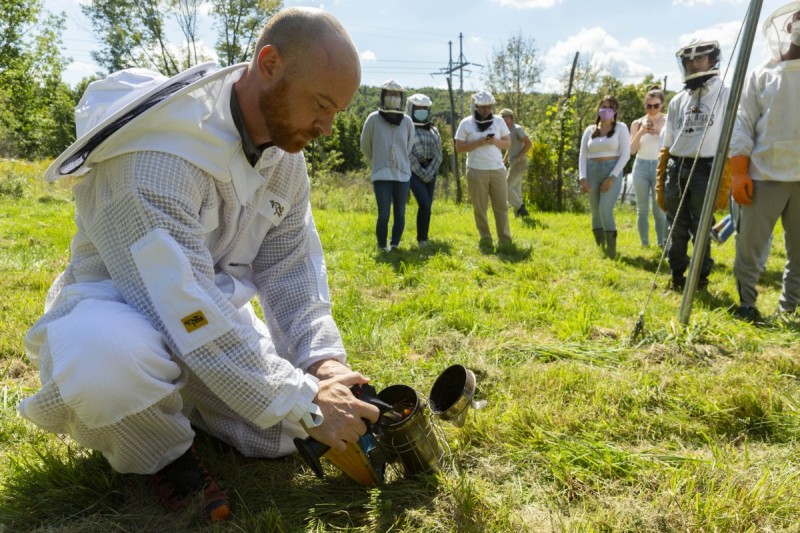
(503, 142)
(583, 156)
(464, 146)
(366, 138)
(636, 135)
(417, 151)
(436, 162)
(526, 146)
(412, 137)
(743, 141)
(747, 116)
(624, 139)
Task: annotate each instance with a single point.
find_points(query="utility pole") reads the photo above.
(448, 71)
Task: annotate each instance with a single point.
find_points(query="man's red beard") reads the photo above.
(276, 108)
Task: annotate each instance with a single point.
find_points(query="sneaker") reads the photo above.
(521, 212)
(178, 482)
(391, 248)
(746, 313)
(422, 244)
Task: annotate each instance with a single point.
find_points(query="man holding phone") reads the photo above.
(486, 174)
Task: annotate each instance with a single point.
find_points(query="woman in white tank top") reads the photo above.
(645, 143)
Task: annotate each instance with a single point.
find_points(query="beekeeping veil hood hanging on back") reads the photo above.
(781, 30)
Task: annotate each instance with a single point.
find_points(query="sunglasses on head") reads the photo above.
(653, 106)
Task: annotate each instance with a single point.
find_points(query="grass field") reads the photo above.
(692, 428)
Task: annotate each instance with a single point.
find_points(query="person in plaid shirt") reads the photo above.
(426, 156)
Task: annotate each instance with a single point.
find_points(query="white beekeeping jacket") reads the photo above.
(174, 221)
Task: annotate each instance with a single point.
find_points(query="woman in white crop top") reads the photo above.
(605, 149)
(645, 143)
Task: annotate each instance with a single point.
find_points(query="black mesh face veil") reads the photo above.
(76, 160)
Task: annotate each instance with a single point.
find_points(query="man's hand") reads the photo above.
(344, 413)
(742, 183)
(661, 178)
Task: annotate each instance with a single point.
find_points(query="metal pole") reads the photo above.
(709, 204)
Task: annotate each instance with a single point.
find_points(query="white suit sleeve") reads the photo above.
(744, 128)
(290, 275)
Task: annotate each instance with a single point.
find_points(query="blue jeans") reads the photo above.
(684, 223)
(644, 184)
(390, 195)
(423, 192)
(601, 204)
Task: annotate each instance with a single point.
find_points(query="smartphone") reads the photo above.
(490, 135)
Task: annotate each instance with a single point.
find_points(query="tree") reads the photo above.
(133, 34)
(35, 105)
(239, 23)
(513, 72)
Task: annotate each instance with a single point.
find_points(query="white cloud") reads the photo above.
(527, 4)
(368, 55)
(628, 62)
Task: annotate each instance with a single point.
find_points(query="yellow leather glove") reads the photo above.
(741, 180)
(724, 186)
(661, 177)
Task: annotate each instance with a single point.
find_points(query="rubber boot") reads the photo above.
(598, 236)
(611, 244)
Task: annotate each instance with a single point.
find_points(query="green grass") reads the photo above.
(693, 428)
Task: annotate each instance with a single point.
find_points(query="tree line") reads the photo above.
(36, 106)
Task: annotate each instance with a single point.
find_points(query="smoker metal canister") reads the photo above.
(413, 439)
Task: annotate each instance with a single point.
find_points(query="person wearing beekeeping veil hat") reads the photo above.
(386, 140)
(426, 156)
(483, 137)
(691, 137)
(765, 162)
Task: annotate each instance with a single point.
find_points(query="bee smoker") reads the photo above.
(452, 393)
(408, 432)
(416, 440)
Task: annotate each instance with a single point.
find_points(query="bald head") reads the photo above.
(301, 33)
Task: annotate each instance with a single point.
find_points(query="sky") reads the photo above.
(409, 41)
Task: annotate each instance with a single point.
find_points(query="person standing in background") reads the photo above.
(766, 166)
(605, 149)
(646, 143)
(692, 133)
(483, 137)
(386, 140)
(426, 156)
(516, 159)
